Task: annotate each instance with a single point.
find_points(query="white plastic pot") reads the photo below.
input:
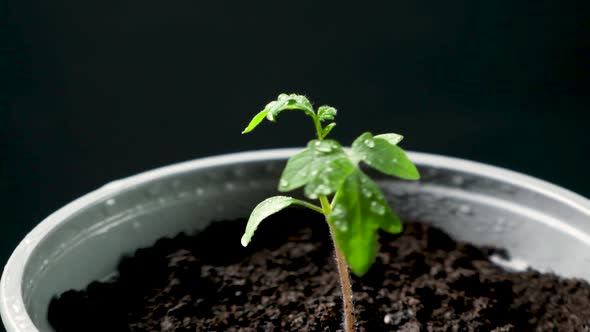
(539, 223)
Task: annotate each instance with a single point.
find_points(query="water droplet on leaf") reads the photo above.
(323, 189)
(370, 143)
(339, 212)
(377, 208)
(324, 148)
(341, 225)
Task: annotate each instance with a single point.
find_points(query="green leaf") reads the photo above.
(321, 168)
(283, 102)
(327, 129)
(255, 121)
(326, 113)
(360, 209)
(380, 154)
(266, 208)
(288, 102)
(392, 138)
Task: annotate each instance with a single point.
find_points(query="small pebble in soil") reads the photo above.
(286, 280)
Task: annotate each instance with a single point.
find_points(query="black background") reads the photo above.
(92, 91)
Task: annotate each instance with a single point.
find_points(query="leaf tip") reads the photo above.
(245, 241)
(415, 173)
(359, 271)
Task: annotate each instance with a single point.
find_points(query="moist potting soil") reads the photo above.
(286, 280)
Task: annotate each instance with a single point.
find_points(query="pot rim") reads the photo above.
(12, 306)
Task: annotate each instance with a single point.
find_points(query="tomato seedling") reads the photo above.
(324, 168)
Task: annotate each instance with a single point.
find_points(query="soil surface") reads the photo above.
(286, 281)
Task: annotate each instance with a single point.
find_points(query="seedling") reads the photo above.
(358, 208)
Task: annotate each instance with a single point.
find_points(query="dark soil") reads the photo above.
(286, 281)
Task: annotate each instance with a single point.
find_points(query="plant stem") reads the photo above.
(311, 206)
(343, 274)
(318, 127)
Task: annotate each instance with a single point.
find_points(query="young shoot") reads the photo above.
(357, 208)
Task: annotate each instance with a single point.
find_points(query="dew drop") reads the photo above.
(324, 148)
(341, 226)
(284, 183)
(377, 208)
(109, 207)
(339, 211)
(199, 191)
(339, 215)
(323, 189)
(457, 180)
(465, 209)
(370, 143)
(366, 192)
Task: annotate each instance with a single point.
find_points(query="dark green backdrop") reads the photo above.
(92, 91)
